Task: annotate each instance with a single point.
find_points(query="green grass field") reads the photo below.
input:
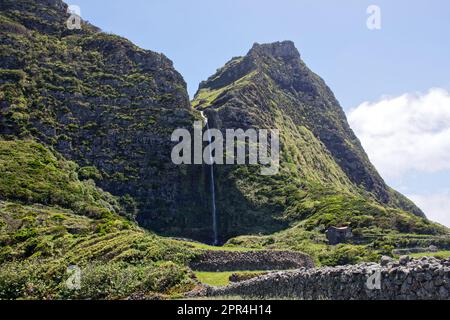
(220, 279)
(439, 254)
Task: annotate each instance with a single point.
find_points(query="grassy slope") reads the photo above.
(54, 220)
(33, 174)
(439, 254)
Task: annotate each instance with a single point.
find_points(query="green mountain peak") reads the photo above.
(271, 87)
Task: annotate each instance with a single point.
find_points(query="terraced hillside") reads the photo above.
(51, 219)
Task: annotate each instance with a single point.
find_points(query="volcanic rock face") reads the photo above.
(271, 87)
(103, 102)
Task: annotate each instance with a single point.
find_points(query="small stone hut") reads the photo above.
(337, 235)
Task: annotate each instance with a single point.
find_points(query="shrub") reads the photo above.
(41, 279)
(87, 173)
(121, 280)
(348, 254)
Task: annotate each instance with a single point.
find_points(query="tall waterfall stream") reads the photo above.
(213, 187)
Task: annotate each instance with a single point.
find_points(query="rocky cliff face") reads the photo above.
(271, 87)
(279, 81)
(103, 102)
(111, 107)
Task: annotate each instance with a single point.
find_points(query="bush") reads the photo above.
(348, 254)
(27, 280)
(120, 280)
(13, 281)
(87, 173)
(165, 277)
(47, 280)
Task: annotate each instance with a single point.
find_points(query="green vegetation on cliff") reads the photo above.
(105, 104)
(325, 179)
(33, 174)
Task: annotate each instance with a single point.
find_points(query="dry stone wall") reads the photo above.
(407, 279)
(213, 261)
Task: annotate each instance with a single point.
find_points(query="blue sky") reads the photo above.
(409, 54)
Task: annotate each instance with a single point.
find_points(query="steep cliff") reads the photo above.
(325, 178)
(107, 105)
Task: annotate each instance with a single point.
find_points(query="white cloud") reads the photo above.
(436, 207)
(406, 133)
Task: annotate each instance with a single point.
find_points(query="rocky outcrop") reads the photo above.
(213, 261)
(408, 279)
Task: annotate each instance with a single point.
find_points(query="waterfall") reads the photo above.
(213, 187)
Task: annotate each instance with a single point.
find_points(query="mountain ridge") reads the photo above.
(110, 106)
(271, 87)
(297, 79)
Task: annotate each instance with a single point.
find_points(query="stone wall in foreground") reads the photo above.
(213, 261)
(426, 278)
